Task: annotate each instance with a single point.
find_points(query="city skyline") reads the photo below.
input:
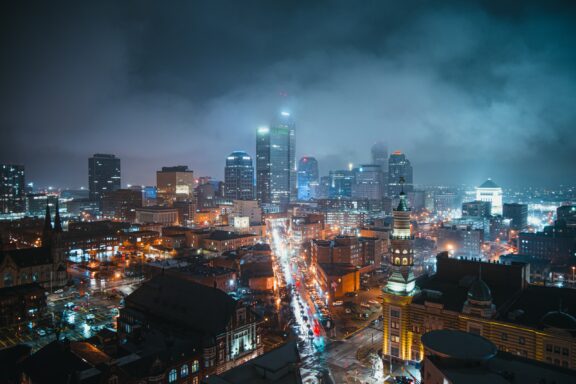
(114, 87)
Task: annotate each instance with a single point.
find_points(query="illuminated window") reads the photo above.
(184, 371)
(195, 366)
(521, 340)
(404, 261)
(394, 313)
(172, 376)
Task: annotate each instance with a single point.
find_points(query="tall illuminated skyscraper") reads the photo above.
(103, 175)
(12, 189)
(307, 174)
(239, 176)
(380, 157)
(276, 164)
(399, 167)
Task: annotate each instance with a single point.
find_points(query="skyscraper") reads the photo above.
(239, 176)
(341, 182)
(275, 163)
(380, 157)
(491, 193)
(399, 167)
(12, 189)
(367, 182)
(518, 213)
(307, 174)
(174, 184)
(103, 175)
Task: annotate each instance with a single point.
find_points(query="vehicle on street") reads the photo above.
(337, 303)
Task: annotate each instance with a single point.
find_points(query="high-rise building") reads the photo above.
(518, 213)
(476, 209)
(12, 189)
(341, 182)
(239, 176)
(122, 204)
(399, 167)
(368, 183)
(174, 184)
(491, 192)
(380, 157)
(307, 174)
(103, 175)
(275, 163)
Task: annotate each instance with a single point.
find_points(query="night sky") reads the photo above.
(468, 90)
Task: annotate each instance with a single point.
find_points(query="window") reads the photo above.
(113, 380)
(195, 380)
(504, 336)
(521, 340)
(394, 313)
(415, 355)
(548, 347)
(8, 279)
(565, 352)
(394, 351)
(184, 371)
(394, 325)
(172, 376)
(556, 349)
(195, 366)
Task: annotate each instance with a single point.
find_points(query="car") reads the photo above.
(348, 310)
(403, 380)
(41, 332)
(351, 294)
(337, 303)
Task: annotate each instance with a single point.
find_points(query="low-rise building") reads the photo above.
(226, 332)
(161, 215)
(338, 279)
(457, 357)
(22, 304)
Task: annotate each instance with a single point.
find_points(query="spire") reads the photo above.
(402, 204)
(57, 221)
(47, 221)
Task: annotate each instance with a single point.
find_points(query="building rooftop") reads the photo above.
(279, 366)
(184, 303)
(225, 235)
(458, 345)
(27, 257)
(337, 269)
(489, 184)
(21, 289)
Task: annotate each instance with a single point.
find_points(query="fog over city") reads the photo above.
(468, 90)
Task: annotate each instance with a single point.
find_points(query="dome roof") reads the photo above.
(479, 291)
(559, 320)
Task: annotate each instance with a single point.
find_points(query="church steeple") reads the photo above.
(57, 221)
(47, 231)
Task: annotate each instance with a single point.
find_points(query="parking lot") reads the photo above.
(77, 314)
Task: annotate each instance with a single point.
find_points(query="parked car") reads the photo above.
(337, 303)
